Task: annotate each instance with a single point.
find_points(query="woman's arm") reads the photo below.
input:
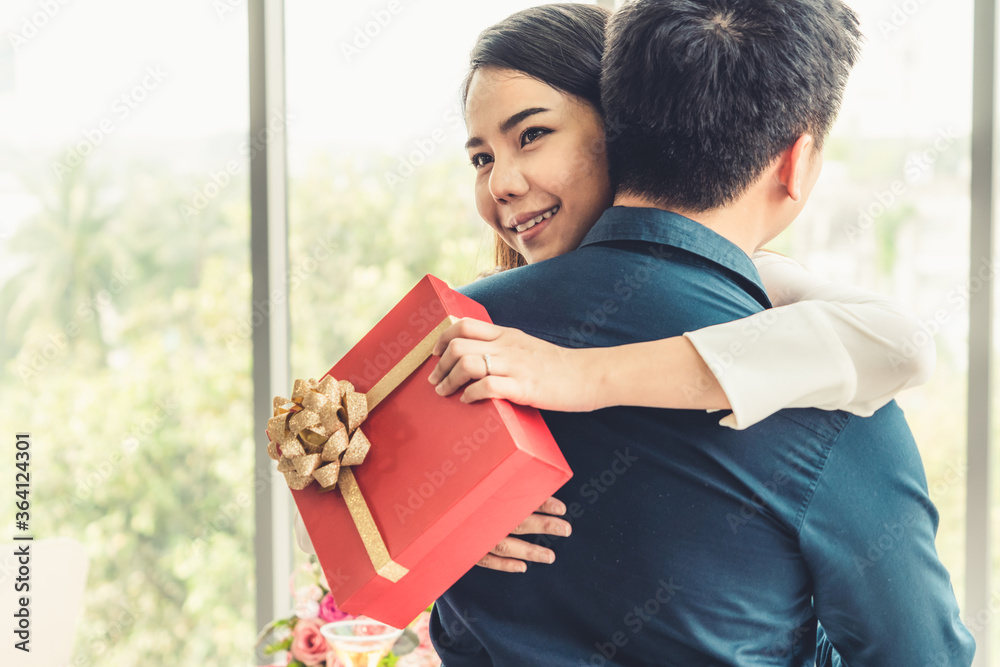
(833, 347)
(301, 536)
(666, 373)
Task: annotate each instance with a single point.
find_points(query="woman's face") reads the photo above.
(541, 168)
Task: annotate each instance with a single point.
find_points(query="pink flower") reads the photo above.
(328, 610)
(308, 644)
(307, 610)
(310, 592)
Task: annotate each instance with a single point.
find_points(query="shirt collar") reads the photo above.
(626, 223)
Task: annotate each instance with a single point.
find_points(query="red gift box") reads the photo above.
(444, 481)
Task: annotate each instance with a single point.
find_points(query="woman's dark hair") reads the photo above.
(560, 45)
(702, 95)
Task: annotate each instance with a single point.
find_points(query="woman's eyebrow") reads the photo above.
(508, 124)
(512, 122)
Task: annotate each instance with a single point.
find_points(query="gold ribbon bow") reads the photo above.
(317, 432)
(315, 436)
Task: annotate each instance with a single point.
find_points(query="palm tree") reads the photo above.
(64, 258)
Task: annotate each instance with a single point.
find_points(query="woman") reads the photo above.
(536, 140)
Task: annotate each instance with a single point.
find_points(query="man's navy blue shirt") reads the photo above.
(694, 544)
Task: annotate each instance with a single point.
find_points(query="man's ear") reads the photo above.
(795, 166)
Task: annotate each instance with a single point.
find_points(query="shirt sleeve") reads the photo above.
(823, 345)
(301, 536)
(880, 591)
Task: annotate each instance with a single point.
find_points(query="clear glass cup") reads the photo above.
(360, 642)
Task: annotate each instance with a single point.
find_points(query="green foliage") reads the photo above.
(143, 441)
(127, 354)
(383, 241)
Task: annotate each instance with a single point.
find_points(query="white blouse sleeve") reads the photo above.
(301, 536)
(823, 345)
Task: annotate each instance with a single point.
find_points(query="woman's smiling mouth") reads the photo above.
(538, 218)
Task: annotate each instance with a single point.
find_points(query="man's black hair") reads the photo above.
(701, 96)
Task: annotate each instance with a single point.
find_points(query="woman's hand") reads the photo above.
(510, 555)
(522, 369)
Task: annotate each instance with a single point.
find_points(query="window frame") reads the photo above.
(269, 272)
(980, 485)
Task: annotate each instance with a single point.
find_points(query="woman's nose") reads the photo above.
(507, 181)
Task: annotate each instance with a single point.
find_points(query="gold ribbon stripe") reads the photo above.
(378, 553)
(409, 363)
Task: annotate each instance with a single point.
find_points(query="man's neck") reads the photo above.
(740, 223)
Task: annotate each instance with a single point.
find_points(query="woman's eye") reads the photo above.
(480, 160)
(531, 134)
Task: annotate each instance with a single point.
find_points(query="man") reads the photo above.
(695, 544)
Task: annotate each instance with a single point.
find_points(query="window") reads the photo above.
(126, 353)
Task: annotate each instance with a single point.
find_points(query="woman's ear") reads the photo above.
(796, 166)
